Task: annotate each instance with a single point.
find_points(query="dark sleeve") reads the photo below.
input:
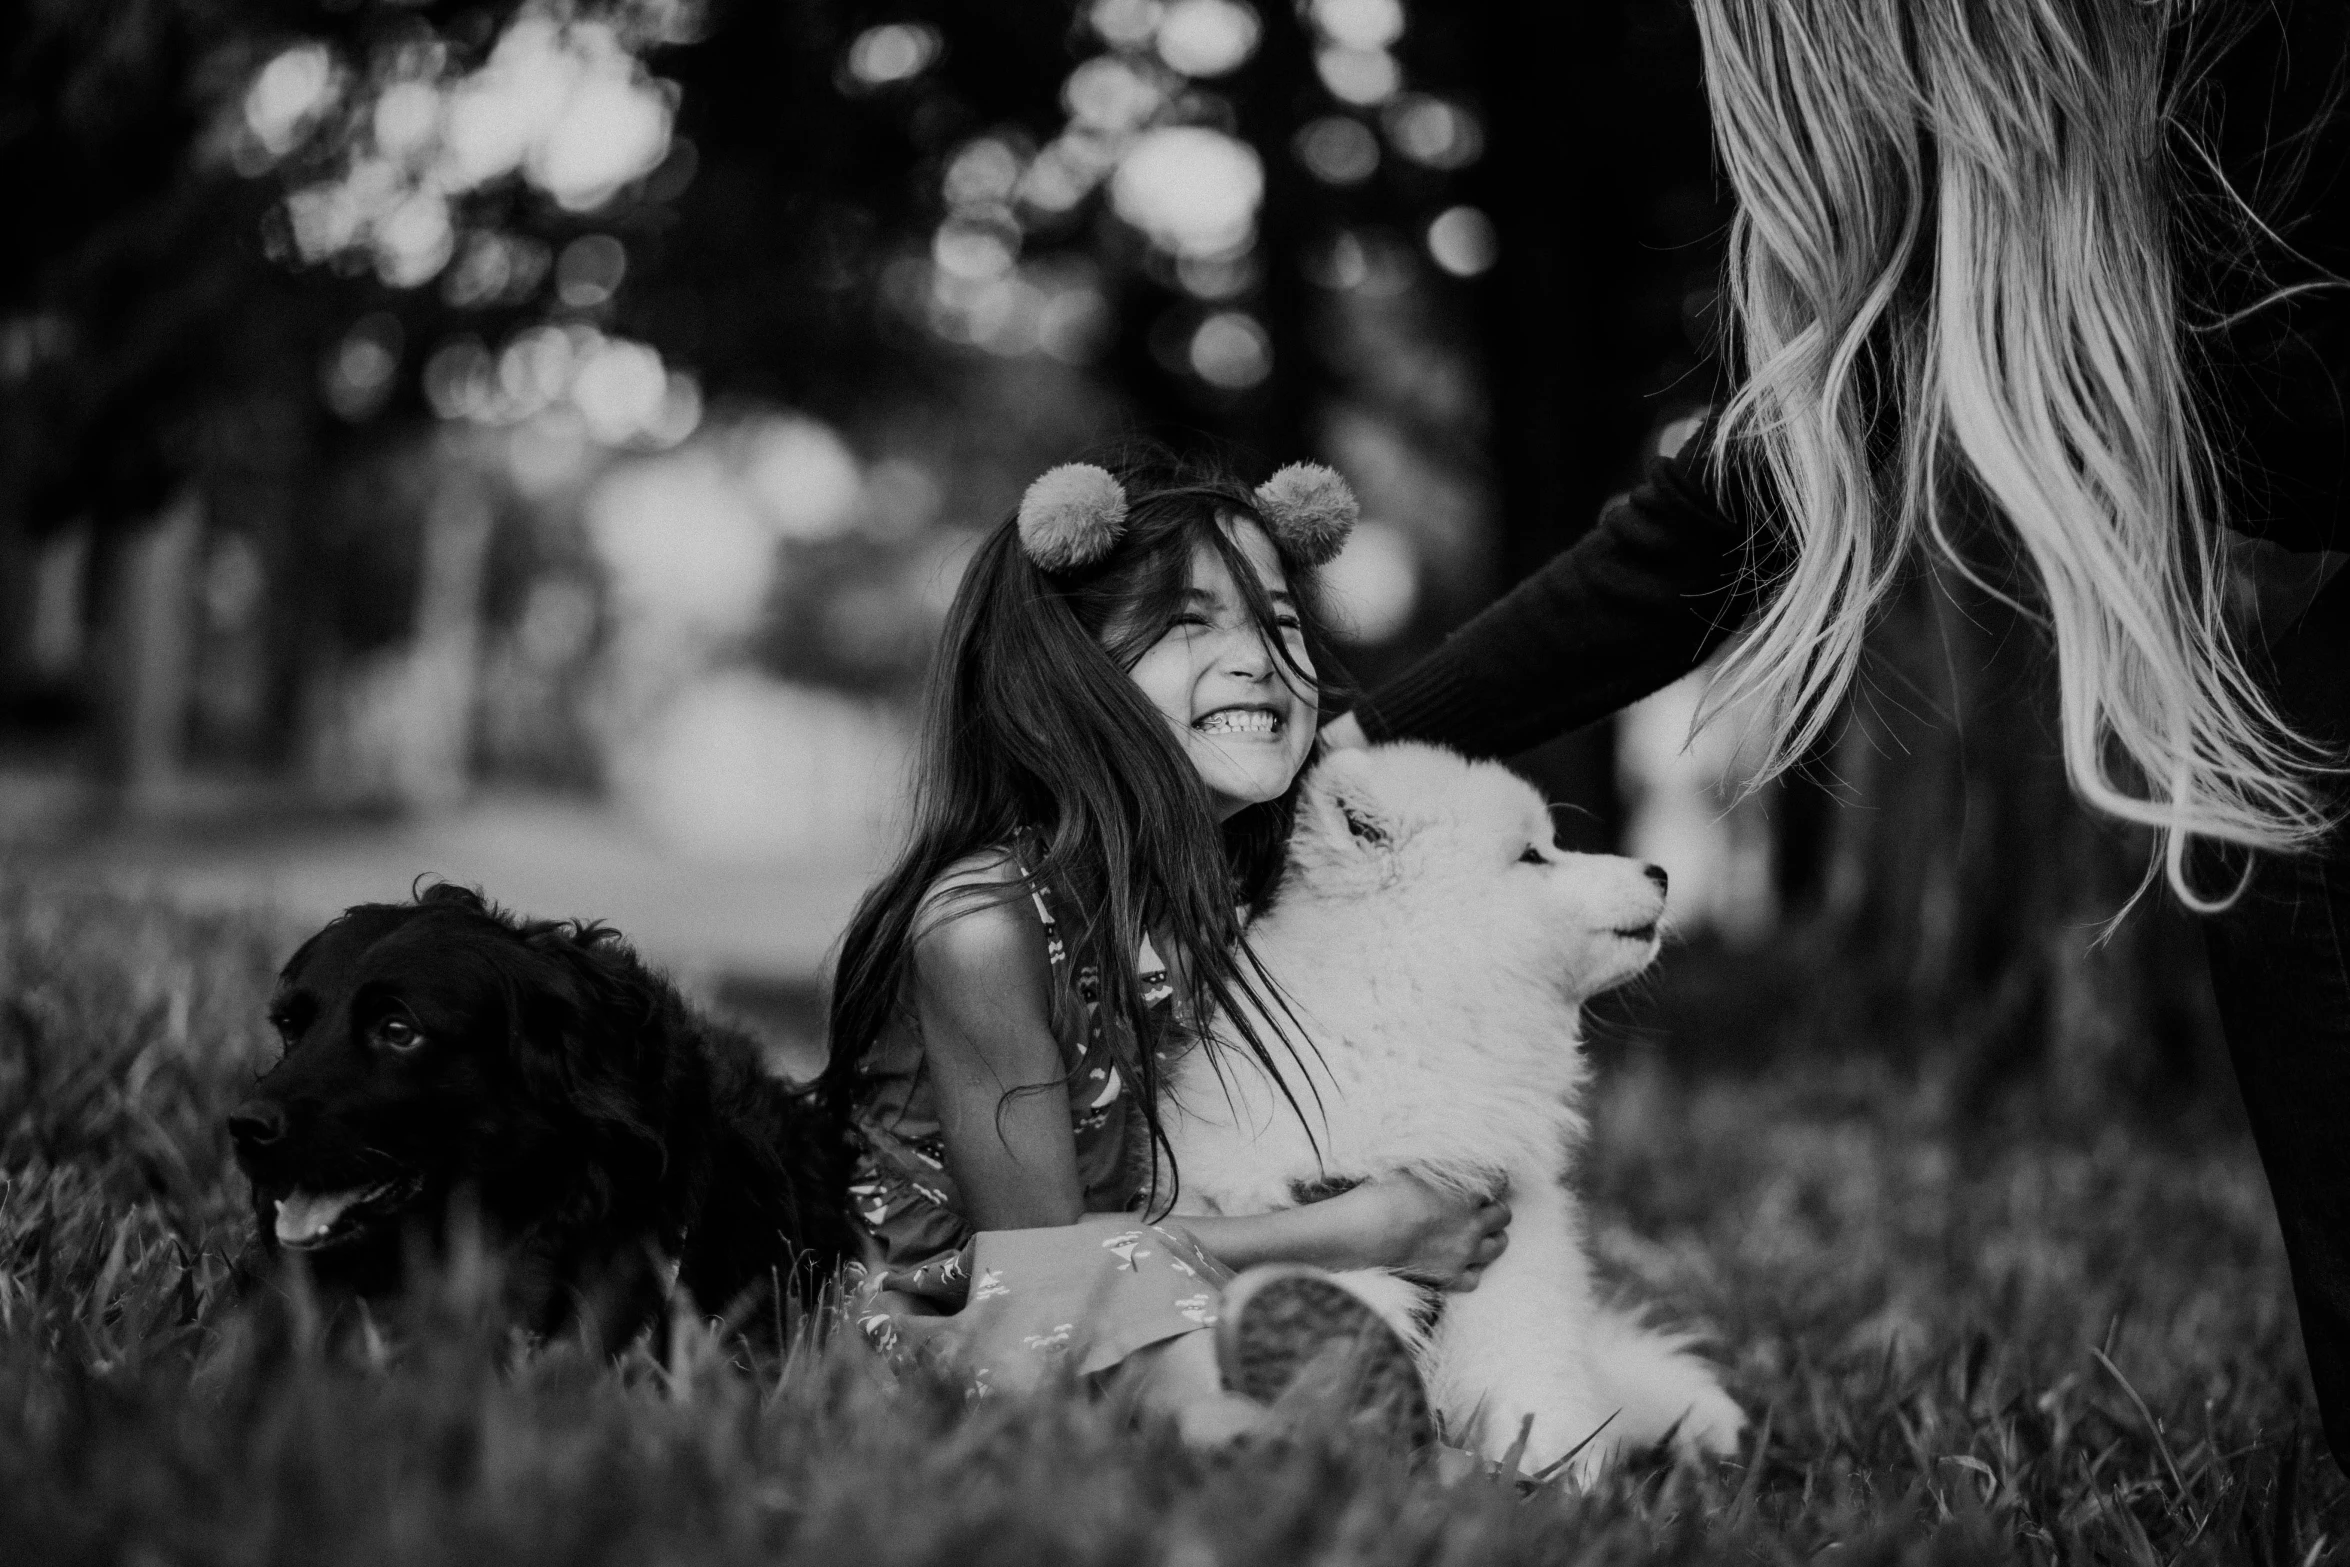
(1662, 580)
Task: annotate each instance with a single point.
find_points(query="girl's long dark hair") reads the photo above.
(1034, 724)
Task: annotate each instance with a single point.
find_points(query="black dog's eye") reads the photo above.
(290, 1017)
(1532, 856)
(396, 1033)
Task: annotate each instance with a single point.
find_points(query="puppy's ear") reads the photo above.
(1344, 788)
(584, 1041)
(1363, 823)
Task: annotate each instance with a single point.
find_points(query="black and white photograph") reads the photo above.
(1219, 783)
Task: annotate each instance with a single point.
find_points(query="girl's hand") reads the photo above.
(1426, 1234)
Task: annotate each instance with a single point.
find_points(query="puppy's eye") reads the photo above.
(396, 1033)
(289, 1017)
(1532, 856)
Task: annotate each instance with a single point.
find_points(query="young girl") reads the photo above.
(1123, 701)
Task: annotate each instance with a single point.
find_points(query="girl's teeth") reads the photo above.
(1257, 723)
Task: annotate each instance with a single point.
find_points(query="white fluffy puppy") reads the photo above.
(1436, 947)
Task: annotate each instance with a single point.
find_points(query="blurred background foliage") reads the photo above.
(407, 404)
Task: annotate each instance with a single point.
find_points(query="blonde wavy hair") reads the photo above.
(1952, 262)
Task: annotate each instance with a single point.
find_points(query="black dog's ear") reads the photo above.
(442, 894)
(587, 1031)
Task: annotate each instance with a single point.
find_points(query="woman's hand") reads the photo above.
(1427, 1234)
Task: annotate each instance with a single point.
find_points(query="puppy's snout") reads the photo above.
(257, 1123)
(1656, 878)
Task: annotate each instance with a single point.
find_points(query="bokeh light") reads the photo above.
(460, 379)
(562, 102)
(975, 250)
(617, 391)
(590, 270)
(1192, 190)
(1374, 585)
(1125, 24)
(613, 131)
(802, 476)
(1217, 277)
(493, 268)
(1074, 325)
(902, 497)
(1360, 24)
(682, 542)
(1339, 264)
(566, 104)
(1463, 241)
(1372, 262)
(357, 380)
(1359, 76)
(288, 93)
(1434, 133)
(893, 52)
(1063, 175)
(736, 768)
(984, 172)
(1206, 38)
(414, 240)
(618, 387)
(1110, 95)
(1231, 351)
(1338, 149)
(499, 112)
(407, 119)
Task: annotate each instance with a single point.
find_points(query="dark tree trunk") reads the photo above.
(1967, 890)
(1557, 440)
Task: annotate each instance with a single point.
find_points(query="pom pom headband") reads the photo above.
(1075, 514)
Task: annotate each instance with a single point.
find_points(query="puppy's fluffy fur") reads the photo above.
(602, 1132)
(1436, 949)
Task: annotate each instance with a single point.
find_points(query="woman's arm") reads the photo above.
(1661, 580)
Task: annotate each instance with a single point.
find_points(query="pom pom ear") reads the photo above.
(1310, 511)
(1071, 516)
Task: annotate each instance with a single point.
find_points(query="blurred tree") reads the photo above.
(143, 342)
(266, 243)
(1596, 320)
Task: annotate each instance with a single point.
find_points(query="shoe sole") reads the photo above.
(1285, 1328)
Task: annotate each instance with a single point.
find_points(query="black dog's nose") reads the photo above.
(257, 1123)
(1656, 873)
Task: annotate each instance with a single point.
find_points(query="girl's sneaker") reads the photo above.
(1295, 1336)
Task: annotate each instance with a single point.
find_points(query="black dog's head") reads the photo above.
(441, 1047)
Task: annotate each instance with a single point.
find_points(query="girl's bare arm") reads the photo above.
(980, 988)
(1397, 1221)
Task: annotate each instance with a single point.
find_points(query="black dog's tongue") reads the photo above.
(306, 1218)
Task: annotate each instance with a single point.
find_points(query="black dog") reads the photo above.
(603, 1134)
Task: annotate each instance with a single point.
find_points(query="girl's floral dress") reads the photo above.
(1011, 1307)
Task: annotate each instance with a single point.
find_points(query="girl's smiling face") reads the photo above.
(1242, 714)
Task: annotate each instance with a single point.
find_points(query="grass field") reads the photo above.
(2056, 1333)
